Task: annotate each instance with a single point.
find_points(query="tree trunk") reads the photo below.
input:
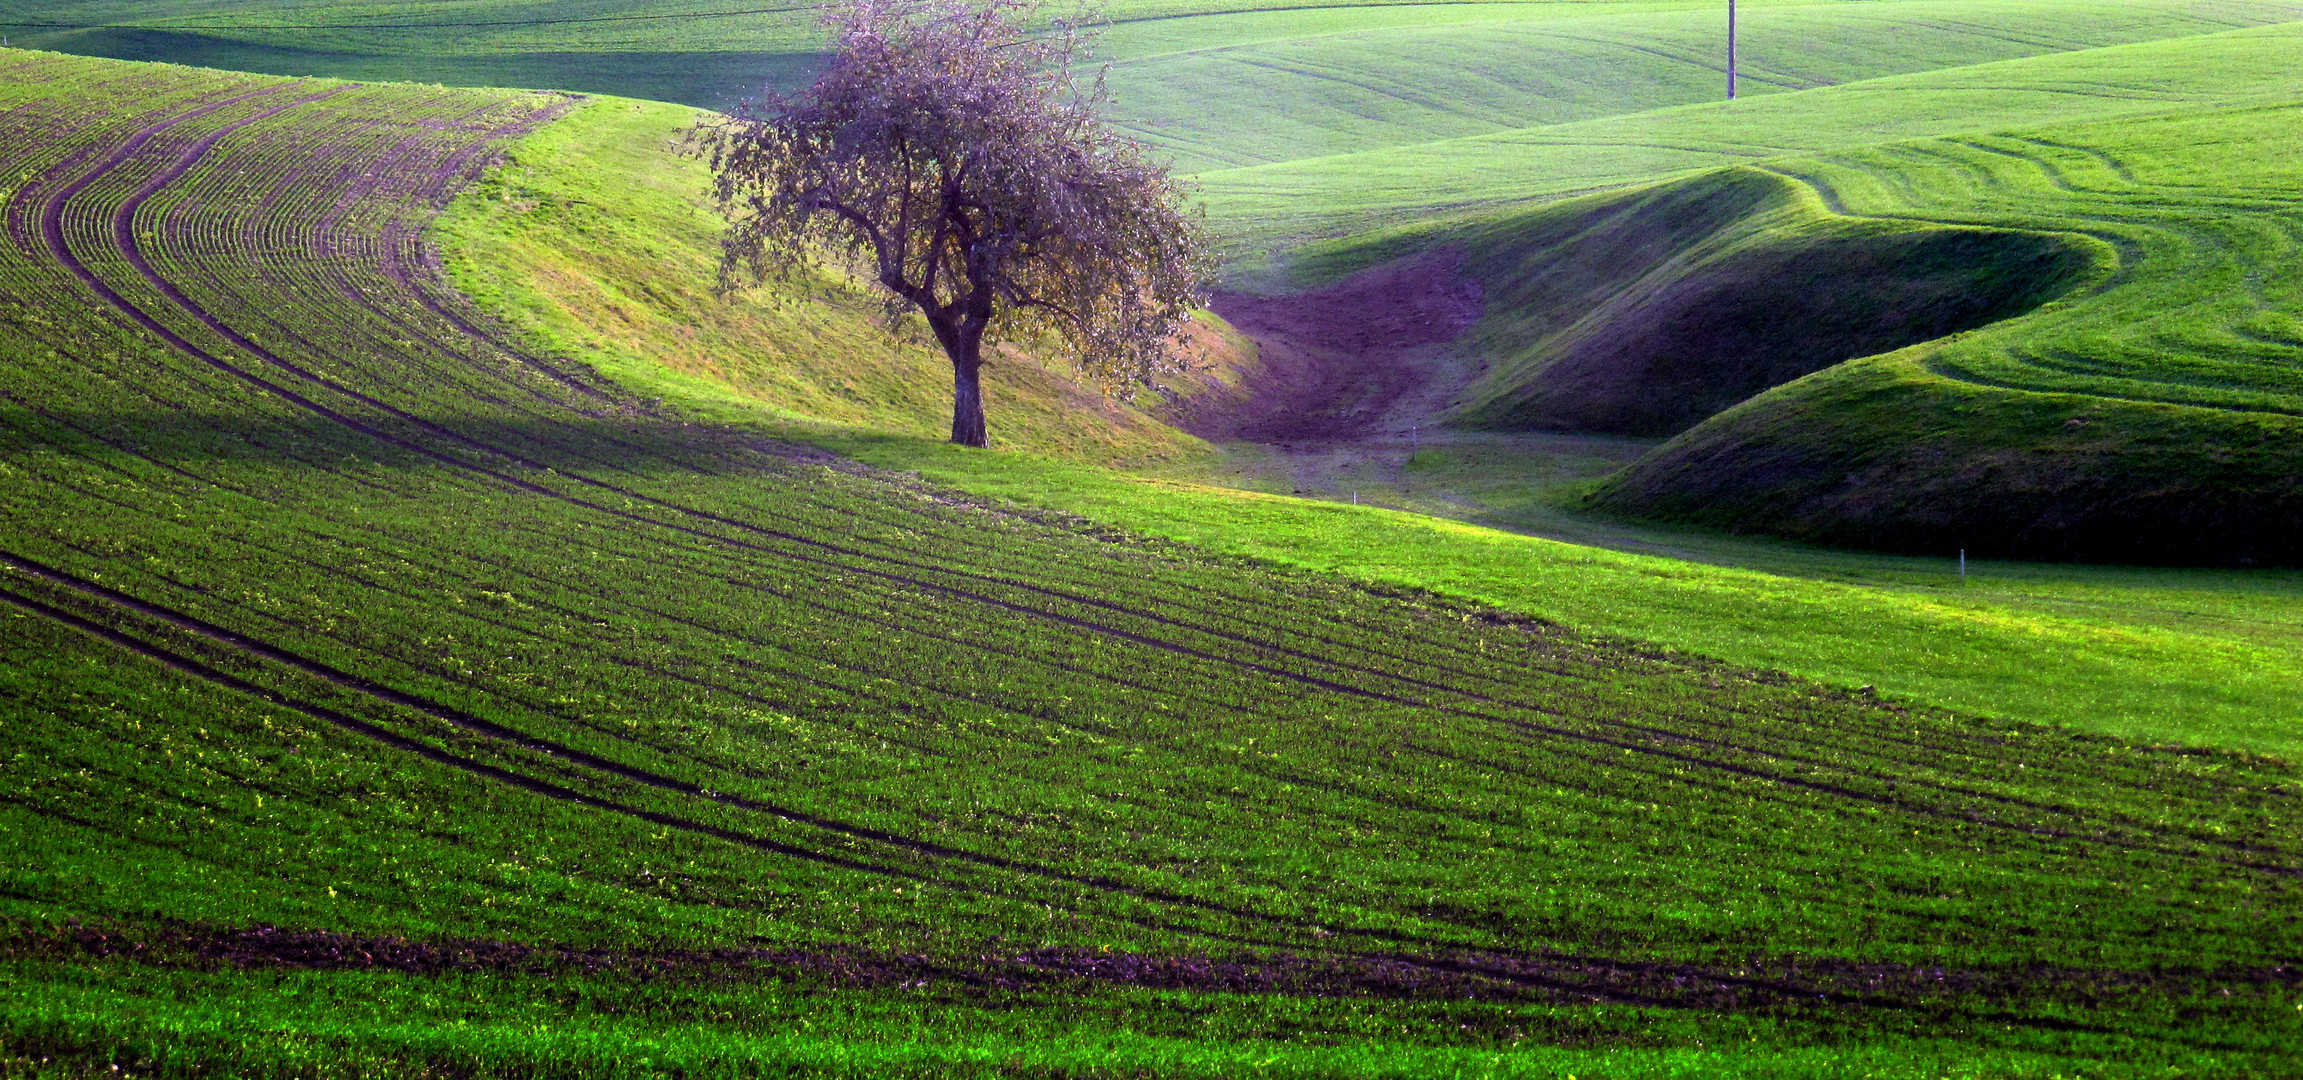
(968, 403)
(962, 337)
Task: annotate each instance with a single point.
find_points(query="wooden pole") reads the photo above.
(1731, 50)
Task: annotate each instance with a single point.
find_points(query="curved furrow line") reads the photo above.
(204, 672)
(494, 731)
(334, 276)
(1480, 666)
(1229, 707)
(346, 722)
(1019, 708)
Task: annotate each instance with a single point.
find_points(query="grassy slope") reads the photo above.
(1209, 88)
(2150, 420)
(2107, 651)
(645, 260)
(1281, 205)
(344, 615)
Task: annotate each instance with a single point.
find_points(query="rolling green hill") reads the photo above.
(1279, 206)
(386, 695)
(2147, 417)
(2155, 421)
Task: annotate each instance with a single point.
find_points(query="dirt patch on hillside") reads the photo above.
(1342, 362)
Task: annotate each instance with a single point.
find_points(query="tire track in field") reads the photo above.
(194, 668)
(1477, 665)
(240, 643)
(1020, 708)
(1613, 768)
(125, 239)
(2063, 811)
(1563, 670)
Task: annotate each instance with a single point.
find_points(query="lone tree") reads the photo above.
(951, 150)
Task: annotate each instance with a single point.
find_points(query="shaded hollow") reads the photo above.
(1643, 312)
(1670, 353)
(1343, 361)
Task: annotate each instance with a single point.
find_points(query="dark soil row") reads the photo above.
(1759, 984)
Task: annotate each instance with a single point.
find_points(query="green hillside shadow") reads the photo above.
(1643, 312)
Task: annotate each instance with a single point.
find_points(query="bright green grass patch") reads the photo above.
(2204, 657)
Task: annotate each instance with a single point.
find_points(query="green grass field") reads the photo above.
(384, 697)
(439, 643)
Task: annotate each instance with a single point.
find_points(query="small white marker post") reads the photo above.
(1731, 50)
(1963, 566)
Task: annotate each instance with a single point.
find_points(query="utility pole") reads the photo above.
(1731, 50)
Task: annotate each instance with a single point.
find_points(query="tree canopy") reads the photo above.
(951, 150)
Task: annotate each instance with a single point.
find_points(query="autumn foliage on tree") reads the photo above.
(950, 149)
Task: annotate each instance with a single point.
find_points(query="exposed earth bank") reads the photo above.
(1360, 357)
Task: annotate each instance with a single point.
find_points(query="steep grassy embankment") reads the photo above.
(386, 697)
(1643, 312)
